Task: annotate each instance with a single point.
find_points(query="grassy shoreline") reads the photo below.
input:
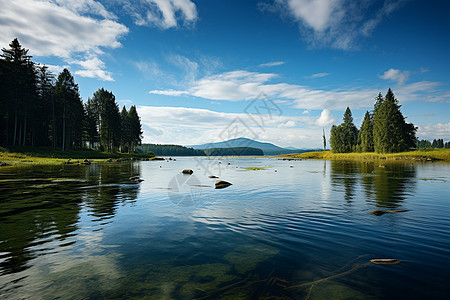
(417, 155)
(51, 156)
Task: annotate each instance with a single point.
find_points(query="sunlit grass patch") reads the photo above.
(255, 168)
(417, 155)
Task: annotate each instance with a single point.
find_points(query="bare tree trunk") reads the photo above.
(15, 128)
(64, 133)
(25, 130)
(20, 134)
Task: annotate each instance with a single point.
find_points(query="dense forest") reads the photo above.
(384, 130)
(37, 109)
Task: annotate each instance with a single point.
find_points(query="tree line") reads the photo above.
(37, 110)
(178, 150)
(169, 150)
(384, 130)
(439, 143)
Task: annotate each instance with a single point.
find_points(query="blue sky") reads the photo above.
(273, 70)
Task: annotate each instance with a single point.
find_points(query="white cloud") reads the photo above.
(396, 75)
(434, 131)
(162, 13)
(189, 67)
(54, 69)
(326, 118)
(84, 6)
(57, 28)
(243, 85)
(318, 75)
(334, 23)
(189, 126)
(272, 64)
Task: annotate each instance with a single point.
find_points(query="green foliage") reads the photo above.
(391, 133)
(343, 138)
(365, 135)
(423, 144)
(36, 111)
(135, 133)
(69, 107)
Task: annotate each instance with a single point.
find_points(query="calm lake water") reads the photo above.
(295, 230)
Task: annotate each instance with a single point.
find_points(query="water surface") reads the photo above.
(91, 232)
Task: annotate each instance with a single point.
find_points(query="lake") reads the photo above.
(289, 229)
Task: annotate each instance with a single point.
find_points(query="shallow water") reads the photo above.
(90, 232)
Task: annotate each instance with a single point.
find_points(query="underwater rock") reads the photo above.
(378, 212)
(385, 261)
(187, 171)
(220, 184)
(398, 210)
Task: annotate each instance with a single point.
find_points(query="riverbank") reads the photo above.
(51, 156)
(418, 155)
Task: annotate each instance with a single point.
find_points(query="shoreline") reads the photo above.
(426, 155)
(48, 156)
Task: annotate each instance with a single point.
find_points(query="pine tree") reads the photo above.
(135, 128)
(343, 138)
(70, 110)
(125, 135)
(390, 131)
(91, 123)
(109, 116)
(21, 89)
(365, 135)
(44, 120)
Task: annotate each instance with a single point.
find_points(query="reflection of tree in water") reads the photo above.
(113, 187)
(344, 174)
(34, 213)
(385, 185)
(393, 184)
(38, 214)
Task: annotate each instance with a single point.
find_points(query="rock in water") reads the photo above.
(378, 212)
(220, 184)
(385, 261)
(212, 176)
(187, 171)
(398, 210)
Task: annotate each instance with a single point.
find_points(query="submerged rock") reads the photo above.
(378, 212)
(398, 210)
(385, 261)
(220, 184)
(187, 171)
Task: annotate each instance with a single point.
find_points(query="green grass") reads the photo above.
(418, 155)
(52, 156)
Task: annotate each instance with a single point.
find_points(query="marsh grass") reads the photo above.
(417, 155)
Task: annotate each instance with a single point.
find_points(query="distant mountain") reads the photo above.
(267, 148)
